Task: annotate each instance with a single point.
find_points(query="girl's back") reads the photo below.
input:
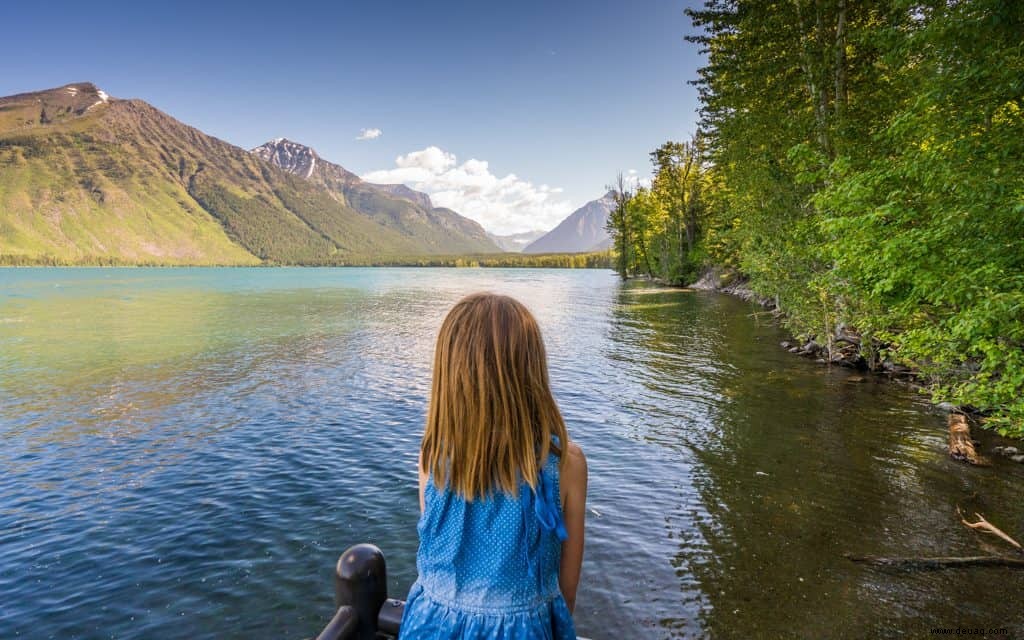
(489, 568)
(496, 559)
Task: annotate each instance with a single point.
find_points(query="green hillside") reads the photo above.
(87, 178)
(68, 189)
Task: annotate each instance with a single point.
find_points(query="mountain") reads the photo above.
(405, 193)
(395, 206)
(583, 230)
(78, 182)
(515, 242)
(91, 178)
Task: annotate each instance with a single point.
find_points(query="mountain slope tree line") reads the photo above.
(862, 164)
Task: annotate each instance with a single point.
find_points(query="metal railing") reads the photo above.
(364, 610)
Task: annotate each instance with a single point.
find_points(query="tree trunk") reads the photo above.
(840, 71)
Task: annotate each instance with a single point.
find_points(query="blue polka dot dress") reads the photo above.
(488, 569)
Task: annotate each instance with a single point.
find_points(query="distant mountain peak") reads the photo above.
(293, 157)
(302, 160)
(75, 87)
(50, 106)
(87, 88)
(583, 230)
(393, 205)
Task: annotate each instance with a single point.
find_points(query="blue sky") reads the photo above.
(562, 95)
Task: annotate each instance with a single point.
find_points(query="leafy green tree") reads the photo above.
(620, 229)
(926, 238)
(864, 168)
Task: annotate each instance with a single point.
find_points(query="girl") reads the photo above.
(502, 490)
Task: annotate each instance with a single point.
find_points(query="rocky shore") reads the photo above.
(844, 348)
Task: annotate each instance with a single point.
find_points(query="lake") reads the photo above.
(186, 452)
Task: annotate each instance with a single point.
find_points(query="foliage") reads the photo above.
(593, 260)
(656, 230)
(927, 234)
(862, 164)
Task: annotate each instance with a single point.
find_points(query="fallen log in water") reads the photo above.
(937, 563)
(982, 525)
(961, 446)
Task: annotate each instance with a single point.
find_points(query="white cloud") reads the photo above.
(633, 180)
(502, 205)
(369, 134)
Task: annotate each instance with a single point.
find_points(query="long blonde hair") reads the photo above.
(491, 416)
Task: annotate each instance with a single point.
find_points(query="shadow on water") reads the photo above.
(790, 465)
(186, 452)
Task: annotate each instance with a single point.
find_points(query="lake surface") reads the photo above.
(186, 452)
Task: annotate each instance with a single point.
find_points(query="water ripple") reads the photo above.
(186, 452)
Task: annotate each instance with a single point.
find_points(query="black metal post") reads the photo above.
(361, 582)
(342, 626)
(390, 619)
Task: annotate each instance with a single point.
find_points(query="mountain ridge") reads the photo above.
(395, 205)
(88, 177)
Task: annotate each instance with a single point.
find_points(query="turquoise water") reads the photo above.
(185, 452)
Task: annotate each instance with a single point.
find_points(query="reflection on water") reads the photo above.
(186, 451)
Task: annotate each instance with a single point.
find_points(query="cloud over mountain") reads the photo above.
(503, 205)
(369, 134)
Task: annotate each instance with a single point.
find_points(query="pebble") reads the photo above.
(1017, 458)
(1010, 451)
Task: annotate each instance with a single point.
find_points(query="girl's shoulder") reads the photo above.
(574, 469)
(574, 454)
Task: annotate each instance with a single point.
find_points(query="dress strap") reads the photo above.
(545, 505)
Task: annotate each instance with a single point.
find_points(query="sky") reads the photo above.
(512, 113)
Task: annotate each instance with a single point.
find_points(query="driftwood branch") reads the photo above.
(987, 527)
(938, 563)
(914, 562)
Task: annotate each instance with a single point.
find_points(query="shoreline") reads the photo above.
(848, 357)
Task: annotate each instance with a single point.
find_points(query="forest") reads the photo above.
(859, 164)
(593, 260)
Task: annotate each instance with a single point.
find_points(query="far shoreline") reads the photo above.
(588, 260)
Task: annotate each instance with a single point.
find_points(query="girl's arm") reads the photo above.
(574, 509)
